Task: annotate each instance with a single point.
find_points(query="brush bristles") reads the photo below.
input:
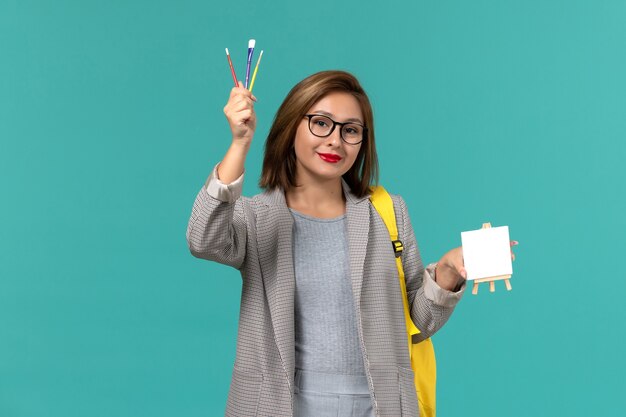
(251, 43)
(227, 51)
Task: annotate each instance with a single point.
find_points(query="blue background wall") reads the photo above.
(111, 119)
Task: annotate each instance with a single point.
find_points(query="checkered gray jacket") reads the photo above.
(254, 235)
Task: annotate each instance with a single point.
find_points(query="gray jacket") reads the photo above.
(254, 235)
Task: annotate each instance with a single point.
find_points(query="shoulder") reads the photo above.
(265, 198)
(401, 210)
(397, 200)
(272, 200)
(399, 204)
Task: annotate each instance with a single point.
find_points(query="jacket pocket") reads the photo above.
(408, 395)
(244, 394)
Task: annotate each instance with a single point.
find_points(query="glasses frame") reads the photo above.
(332, 129)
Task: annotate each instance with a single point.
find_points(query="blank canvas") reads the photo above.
(487, 252)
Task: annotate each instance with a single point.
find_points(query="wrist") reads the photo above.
(232, 165)
(445, 277)
(240, 145)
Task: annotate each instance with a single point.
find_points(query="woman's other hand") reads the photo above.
(451, 271)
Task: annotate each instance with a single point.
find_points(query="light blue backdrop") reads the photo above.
(111, 118)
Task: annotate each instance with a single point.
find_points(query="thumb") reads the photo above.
(462, 271)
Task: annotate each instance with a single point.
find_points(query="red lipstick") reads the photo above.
(328, 157)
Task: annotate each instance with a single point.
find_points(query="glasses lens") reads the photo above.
(320, 125)
(352, 133)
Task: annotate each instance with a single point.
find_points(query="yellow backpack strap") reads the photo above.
(382, 202)
(422, 354)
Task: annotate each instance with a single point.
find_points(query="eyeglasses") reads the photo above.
(323, 126)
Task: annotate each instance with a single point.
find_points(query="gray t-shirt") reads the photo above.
(327, 338)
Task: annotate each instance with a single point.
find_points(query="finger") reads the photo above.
(513, 243)
(242, 103)
(240, 89)
(460, 269)
(463, 273)
(235, 90)
(241, 98)
(243, 117)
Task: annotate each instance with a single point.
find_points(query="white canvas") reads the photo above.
(487, 252)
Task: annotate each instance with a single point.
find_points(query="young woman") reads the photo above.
(321, 328)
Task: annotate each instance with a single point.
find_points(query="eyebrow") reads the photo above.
(325, 113)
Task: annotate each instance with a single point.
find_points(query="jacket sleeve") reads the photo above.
(217, 228)
(431, 305)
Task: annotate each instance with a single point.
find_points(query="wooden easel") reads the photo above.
(491, 280)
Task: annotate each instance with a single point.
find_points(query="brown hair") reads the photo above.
(279, 160)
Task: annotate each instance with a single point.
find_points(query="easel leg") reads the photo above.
(475, 288)
(492, 286)
(508, 284)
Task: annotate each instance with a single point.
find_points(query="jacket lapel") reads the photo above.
(274, 241)
(358, 220)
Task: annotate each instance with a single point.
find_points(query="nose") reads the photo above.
(334, 139)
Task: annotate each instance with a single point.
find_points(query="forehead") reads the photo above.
(339, 105)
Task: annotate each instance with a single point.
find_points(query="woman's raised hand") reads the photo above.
(242, 120)
(240, 114)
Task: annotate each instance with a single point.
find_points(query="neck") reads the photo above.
(317, 197)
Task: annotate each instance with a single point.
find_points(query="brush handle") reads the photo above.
(256, 68)
(253, 78)
(232, 71)
(250, 52)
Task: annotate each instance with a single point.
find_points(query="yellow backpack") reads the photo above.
(422, 353)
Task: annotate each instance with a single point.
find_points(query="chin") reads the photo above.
(325, 172)
(333, 176)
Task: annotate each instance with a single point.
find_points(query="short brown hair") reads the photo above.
(279, 160)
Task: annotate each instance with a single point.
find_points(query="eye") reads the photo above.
(352, 130)
(320, 122)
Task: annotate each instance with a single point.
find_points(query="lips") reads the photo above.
(328, 157)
